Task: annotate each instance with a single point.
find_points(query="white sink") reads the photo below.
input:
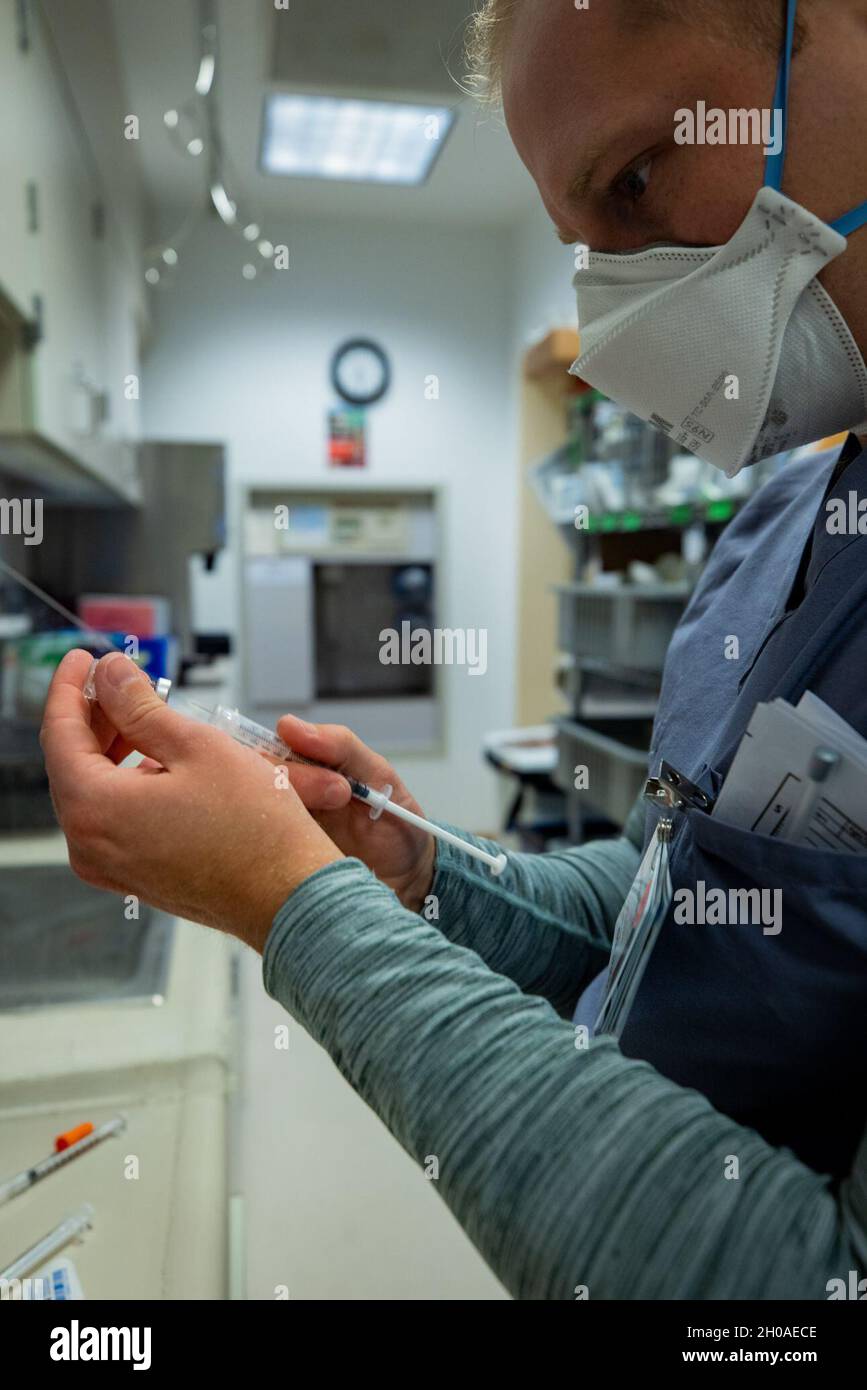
(63, 942)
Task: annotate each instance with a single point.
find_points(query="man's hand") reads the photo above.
(401, 855)
(202, 828)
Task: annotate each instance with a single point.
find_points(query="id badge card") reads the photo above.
(635, 932)
(647, 902)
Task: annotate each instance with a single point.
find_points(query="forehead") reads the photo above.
(559, 59)
(573, 79)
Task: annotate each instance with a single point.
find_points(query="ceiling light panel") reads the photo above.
(352, 140)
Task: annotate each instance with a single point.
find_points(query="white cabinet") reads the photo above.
(15, 270)
(58, 267)
(278, 596)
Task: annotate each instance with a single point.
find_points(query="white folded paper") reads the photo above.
(800, 774)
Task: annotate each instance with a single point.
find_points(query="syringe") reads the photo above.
(72, 1228)
(41, 1169)
(256, 736)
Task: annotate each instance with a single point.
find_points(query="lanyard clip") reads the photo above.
(671, 791)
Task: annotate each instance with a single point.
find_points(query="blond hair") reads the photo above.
(754, 22)
(486, 45)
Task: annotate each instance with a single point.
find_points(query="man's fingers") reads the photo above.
(320, 791)
(107, 736)
(334, 745)
(141, 719)
(69, 743)
(318, 788)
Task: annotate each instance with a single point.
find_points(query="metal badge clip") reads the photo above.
(673, 792)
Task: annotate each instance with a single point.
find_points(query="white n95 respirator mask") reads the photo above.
(735, 352)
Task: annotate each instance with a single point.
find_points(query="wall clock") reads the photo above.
(360, 372)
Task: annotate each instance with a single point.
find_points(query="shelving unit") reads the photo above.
(673, 518)
(546, 390)
(590, 654)
(627, 627)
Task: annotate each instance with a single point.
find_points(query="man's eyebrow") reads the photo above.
(583, 180)
(580, 186)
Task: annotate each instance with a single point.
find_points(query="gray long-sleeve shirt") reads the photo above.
(574, 1170)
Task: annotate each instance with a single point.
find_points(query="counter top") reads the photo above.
(160, 1190)
(41, 1047)
(20, 848)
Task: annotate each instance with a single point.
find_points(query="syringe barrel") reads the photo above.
(248, 732)
(13, 1186)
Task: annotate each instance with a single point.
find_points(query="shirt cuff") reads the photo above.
(453, 868)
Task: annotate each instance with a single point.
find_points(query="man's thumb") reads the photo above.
(131, 705)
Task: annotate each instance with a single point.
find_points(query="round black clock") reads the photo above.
(360, 372)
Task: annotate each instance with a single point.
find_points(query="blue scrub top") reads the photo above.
(769, 1028)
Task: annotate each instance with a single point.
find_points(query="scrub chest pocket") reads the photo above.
(755, 992)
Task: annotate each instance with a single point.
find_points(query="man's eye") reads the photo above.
(633, 184)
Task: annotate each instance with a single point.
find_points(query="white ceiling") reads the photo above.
(477, 181)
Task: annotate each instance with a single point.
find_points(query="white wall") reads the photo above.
(248, 364)
(543, 270)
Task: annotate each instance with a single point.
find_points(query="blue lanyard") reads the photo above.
(850, 221)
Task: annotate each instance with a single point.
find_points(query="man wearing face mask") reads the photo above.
(665, 329)
(447, 998)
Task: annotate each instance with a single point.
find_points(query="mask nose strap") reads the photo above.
(774, 163)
